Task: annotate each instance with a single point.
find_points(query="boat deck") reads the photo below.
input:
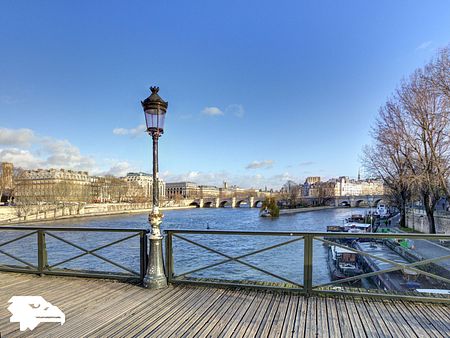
(101, 308)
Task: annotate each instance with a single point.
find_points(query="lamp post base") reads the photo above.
(155, 277)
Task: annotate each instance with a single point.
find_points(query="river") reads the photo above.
(285, 261)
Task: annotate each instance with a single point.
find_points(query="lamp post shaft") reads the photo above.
(155, 277)
(155, 137)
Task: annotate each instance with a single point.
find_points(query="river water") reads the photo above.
(285, 261)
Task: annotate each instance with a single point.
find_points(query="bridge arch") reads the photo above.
(194, 204)
(238, 203)
(257, 204)
(344, 204)
(361, 203)
(224, 204)
(208, 204)
(378, 201)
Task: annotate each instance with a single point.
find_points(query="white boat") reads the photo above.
(265, 213)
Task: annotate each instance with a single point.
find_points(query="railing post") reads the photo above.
(144, 253)
(308, 262)
(42, 252)
(169, 256)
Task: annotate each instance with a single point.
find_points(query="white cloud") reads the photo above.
(118, 169)
(424, 45)
(27, 150)
(21, 158)
(212, 111)
(133, 132)
(236, 110)
(265, 164)
(16, 137)
(306, 163)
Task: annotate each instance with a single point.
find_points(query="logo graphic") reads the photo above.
(29, 311)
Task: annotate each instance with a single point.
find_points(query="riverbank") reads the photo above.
(48, 218)
(298, 210)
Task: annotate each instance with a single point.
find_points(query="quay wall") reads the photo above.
(297, 210)
(88, 210)
(417, 220)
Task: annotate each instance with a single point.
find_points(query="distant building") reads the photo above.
(208, 191)
(53, 185)
(140, 185)
(6, 182)
(179, 190)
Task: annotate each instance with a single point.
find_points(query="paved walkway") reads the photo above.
(98, 308)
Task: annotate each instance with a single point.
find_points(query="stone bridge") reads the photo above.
(233, 202)
(360, 201)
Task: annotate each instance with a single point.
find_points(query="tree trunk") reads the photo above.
(429, 209)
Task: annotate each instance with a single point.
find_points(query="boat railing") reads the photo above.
(289, 262)
(74, 251)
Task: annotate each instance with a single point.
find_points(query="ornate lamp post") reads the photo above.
(155, 112)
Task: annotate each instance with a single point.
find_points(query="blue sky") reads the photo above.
(259, 91)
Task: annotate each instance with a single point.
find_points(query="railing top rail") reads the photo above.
(311, 233)
(19, 227)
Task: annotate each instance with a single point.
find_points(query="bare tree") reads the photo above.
(411, 150)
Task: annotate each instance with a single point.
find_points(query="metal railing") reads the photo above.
(305, 252)
(37, 245)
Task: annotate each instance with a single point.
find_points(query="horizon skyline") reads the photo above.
(257, 96)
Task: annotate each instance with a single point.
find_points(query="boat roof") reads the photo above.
(442, 291)
(358, 225)
(338, 249)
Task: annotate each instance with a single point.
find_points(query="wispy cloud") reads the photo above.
(16, 137)
(212, 111)
(28, 150)
(265, 164)
(424, 45)
(236, 110)
(306, 163)
(133, 132)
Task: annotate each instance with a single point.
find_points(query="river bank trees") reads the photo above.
(411, 139)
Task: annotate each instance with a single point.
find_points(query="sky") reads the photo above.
(259, 92)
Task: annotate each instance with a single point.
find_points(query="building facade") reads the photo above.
(180, 190)
(140, 186)
(53, 186)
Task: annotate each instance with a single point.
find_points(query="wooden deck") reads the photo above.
(99, 308)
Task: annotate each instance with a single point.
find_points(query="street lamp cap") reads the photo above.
(154, 99)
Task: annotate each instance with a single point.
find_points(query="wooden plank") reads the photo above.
(173, 322)
(152, 322)
(410, 318)
(149, 306)
(344, 318)
(378, 320)
(202, 321)
(266, 321)
(227, 325)
(251, 329)
(423, 319)
(192, 316)
(291, 313)
(300, 318)
(278, 321)
(89, 321)
(322, 318)
(366, 319)
(388, 319)
(437, 319)
(357, 325)
(223, 316)
(333, 318)
(311, 317)
(404, 326)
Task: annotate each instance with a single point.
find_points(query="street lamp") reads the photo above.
(155, 112)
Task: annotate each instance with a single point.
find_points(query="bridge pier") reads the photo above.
(216, 202)
(251, 201)
(233, 202)
(201, 203)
